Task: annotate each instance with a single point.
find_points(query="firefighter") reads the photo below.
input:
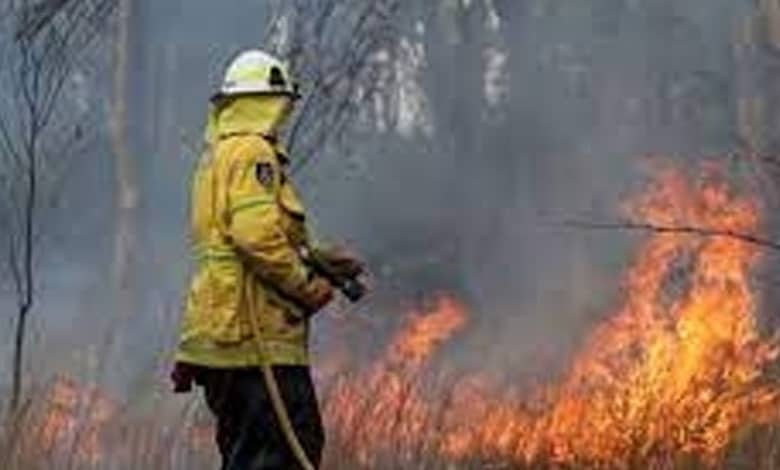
(252, 296)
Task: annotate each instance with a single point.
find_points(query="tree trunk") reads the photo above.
(126, 179)
(25, 267)
(18, 362)
(748, 104)
(771, 10)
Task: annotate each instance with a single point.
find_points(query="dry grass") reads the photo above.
(49, 433)
(37, 437)
(752, 449)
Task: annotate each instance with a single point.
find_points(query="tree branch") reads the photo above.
(331, 46)
(670, 229)
(47, 36)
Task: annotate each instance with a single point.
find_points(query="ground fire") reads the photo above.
(678, 369)
(73, 420)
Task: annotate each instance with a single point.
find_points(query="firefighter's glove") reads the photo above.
(340, 261)
(319, 294)
(182, 376)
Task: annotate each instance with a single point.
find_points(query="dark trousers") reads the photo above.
(249, 436)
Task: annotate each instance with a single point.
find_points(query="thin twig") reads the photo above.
(47, 36)
(337, 64)
(650, 227)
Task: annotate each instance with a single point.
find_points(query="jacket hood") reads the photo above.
(255, 114)
(210, 133)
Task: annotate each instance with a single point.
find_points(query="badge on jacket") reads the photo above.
(264, 172)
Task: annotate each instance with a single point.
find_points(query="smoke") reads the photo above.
(586, 90)
(502, 118)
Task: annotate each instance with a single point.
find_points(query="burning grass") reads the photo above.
(677, 377)
(68, 425)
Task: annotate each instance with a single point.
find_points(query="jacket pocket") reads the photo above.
(219, 299)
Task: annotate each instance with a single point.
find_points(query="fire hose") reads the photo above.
(354, 290)
(277, 402)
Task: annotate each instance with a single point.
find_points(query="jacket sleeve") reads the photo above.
(254, 224)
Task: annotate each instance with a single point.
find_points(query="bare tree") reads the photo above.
(335, 47)
(39, 42)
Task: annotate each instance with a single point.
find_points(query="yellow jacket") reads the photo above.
(247, 223)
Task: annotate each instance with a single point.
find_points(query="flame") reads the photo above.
(389, 391)
(72, 419)
(678, 369)
(88, 427)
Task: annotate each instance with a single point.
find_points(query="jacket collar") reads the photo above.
(246, 115)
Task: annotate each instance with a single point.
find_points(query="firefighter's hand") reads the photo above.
(319, 294)
(341, 261)
(182, 376)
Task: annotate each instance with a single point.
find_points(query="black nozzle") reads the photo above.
(353, 290)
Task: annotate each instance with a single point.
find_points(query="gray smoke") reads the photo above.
(465, 200)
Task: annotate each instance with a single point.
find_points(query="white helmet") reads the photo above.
(256, 71)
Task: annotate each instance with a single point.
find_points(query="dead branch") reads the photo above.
(330, 45)
(650, 227)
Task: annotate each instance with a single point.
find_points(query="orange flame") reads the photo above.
(388, 391)
(72, 420)
(677, 370)
(84, 425)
